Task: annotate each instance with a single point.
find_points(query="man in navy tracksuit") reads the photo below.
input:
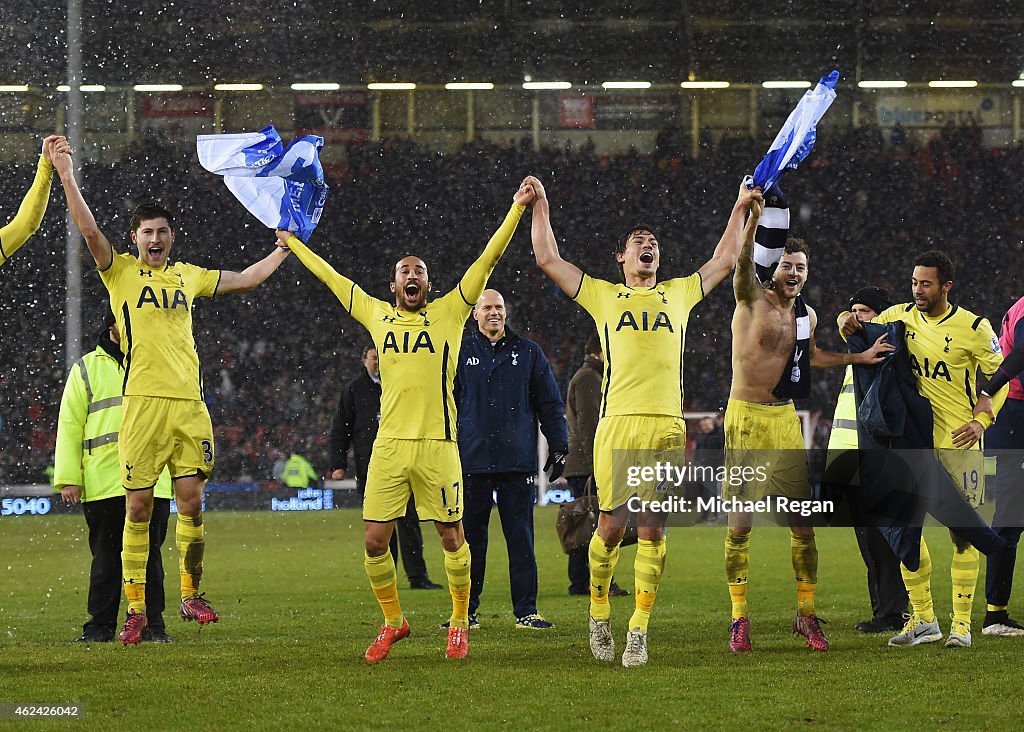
(505, 386)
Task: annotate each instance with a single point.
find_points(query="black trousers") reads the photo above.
(105, 519)
(885, 580)
(407, 534)
(579, 560)
(1006, 439)
(517, 492)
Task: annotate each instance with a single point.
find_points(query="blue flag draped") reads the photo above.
(796, 138)
(283, 187)
(793, 143)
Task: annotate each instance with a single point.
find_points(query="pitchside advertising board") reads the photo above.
(38, 499)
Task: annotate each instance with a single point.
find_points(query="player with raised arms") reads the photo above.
(416, 451)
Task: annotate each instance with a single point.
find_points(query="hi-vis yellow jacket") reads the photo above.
(87, 428)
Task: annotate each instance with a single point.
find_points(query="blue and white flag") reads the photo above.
(793, 143)
(283, 187)
(796, 138)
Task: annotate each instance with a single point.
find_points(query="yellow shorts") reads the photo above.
(966, 468)
(430, 470)
(158, 432)
(765, 453)
(625, 445)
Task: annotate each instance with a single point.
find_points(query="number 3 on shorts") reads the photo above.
(207, 451)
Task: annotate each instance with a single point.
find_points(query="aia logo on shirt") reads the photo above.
(645, 322)
(406, 344)
(938, 370)
(167, 299)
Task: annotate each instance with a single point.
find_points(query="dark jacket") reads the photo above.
(502, 392)
(901, 479)
(355, 422)
(582, 412)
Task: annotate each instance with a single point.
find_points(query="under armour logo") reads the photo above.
(388, 319)
(623, 294)
(911, 334)
(948, 341)
(145, 273)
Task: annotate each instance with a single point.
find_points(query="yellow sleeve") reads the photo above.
(30, 213)
(209, 279)
(473, 282)
(74, 404)
(349, 294)
(692, 288)
(589, 294)
(989, 356)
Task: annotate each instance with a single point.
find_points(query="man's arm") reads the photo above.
(341, 434)
(252, 276)
(727, 253)
(33, 206)
(988, 360)
(351, 297)
(99, 247)
(829, 359)
(472, 284)
(67, 461)
(588, 408)
(547, 404)
(745, 286)
(566, 275)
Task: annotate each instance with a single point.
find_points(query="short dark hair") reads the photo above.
(594, 344)
(796, 245)
(148, 211)
(369, 347)
(394, 270)
(620, 246)
(941, 262)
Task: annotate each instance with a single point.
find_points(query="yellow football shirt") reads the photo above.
(945, 354)
(153, 308)
(643, 332)
(419, 351)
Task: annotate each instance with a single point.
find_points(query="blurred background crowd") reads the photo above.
(274, 360)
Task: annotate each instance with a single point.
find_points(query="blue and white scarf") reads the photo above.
(793, 143)
(283, 188)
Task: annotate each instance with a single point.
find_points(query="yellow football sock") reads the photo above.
(134, 557)
(737, 564)
(603, 558)
(384, 582)
(648, 568)
(190, 538)
(804, 552)
(456, 566)
(919, 586)
(964, 572)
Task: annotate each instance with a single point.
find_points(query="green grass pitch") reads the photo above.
(297, 614)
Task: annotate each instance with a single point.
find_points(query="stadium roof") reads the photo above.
(196, 42)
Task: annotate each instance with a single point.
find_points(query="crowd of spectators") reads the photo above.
(274, 360)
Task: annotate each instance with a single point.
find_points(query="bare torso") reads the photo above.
(763, 336)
